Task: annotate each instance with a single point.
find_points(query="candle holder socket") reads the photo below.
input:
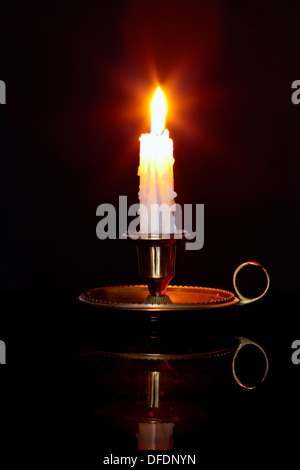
(156, 259)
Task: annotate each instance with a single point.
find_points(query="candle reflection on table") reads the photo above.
(155, 436)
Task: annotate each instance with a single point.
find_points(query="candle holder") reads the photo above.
(156, 261)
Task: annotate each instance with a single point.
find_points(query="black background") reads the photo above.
(79, 78)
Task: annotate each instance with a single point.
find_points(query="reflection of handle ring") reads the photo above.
(242, 343)
(247, 299)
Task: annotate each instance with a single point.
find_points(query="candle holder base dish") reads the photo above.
(178, 298)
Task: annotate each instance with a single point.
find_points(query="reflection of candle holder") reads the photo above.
(158, 417)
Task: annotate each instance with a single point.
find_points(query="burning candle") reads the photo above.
(157, 193)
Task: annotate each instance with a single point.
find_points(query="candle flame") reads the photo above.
(158, 112)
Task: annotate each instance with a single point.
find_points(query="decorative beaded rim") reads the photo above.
(131, 298)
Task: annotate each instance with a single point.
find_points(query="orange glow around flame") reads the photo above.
(158, 112)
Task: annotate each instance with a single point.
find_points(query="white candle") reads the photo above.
(157, 193)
